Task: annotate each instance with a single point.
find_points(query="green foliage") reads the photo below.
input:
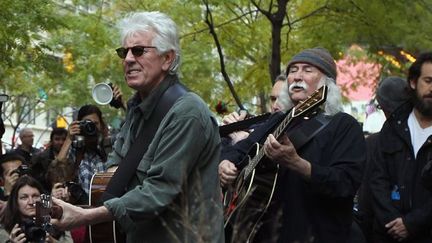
(36, 36)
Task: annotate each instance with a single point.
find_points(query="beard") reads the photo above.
(423, 106)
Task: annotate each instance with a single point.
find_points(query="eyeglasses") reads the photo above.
(137, 51)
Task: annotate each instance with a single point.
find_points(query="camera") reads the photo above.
(88, 128)
(22, 170)
(33, 232)
(75, 190)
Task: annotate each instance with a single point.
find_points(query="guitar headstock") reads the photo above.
(317, 98)
(45, 210)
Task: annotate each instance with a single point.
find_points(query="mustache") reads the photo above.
(300, 84)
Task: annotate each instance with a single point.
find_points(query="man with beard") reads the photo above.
(41, 161)
(317, 182)
(402, 206)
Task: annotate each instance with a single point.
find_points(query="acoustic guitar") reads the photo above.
(247, 200)
(108, 231)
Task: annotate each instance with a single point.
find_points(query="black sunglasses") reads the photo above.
(136, 51)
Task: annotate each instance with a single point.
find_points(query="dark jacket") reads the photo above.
(321, 207)
(364, 215)
(395, 181)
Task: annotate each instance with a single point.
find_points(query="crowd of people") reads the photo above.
(313, 178)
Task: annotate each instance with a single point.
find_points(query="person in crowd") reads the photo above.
(18, 218)
(279, 102)
(402, 205)
(60, 176)
(26, 149)
(391, 93)
(174, 193)
(42, 160)
(82, 145)
(12, 166)
(317, 181)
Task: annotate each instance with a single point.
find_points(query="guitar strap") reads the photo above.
(308, 129)
(117, 186)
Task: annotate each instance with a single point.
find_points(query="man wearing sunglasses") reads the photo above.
(174, 193)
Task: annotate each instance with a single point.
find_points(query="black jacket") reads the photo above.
(396, 173)
(322, 206)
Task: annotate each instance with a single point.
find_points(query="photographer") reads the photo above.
(83, 144)
(60, 176)
(42, 160)
(11, 168)
(18, 218)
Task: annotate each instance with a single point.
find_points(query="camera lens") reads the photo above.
(88, 128)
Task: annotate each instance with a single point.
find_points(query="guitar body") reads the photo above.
(248, 199)
(107, 231)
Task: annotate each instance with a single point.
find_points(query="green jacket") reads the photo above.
(175, 194)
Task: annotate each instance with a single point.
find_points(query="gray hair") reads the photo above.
(166, 35)
(333, 102)
(25, 131)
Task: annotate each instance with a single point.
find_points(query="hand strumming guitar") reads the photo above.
(227, 172)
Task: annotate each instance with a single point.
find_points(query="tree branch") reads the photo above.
(219, 25)
(209, 22)
(309, 14)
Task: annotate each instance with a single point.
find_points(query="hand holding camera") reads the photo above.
(80, 130)
(60, 191)
(68, 191)
(85, 127)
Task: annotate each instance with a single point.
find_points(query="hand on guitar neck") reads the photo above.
(284, 153)
(69, 216)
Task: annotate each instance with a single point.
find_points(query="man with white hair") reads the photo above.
(173, 194)
(313, 198)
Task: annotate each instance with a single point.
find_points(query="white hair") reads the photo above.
(165, 30)
(333, 102)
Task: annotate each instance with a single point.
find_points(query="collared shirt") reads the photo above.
(174, 195)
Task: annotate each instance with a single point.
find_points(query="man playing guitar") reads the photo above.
(313, 197)
(173, 194)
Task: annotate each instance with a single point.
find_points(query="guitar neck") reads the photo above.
(277, 134)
